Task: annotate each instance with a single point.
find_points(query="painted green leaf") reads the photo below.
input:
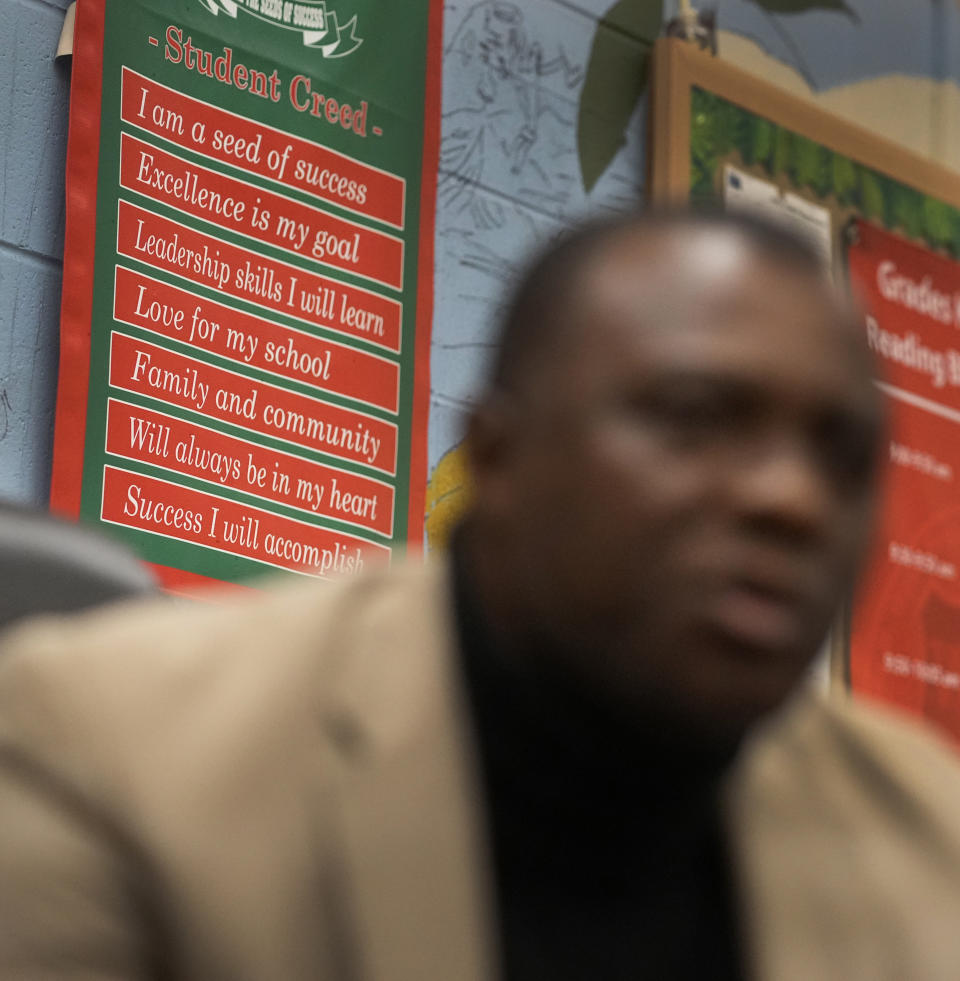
(760, 142)
(810, 167)
(734, 127)
(940, 222)
(906, 209)
(782, 151)
(871, 196)
(616, 77)
(845, 179)
(703, 155)
(708, 138)
(800, 6)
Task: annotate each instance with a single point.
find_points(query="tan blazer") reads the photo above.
(284, 789)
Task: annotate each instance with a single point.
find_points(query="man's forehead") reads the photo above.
(676, 278)
(675, 285)
(685, 260)
(712, 250)
(652, 297)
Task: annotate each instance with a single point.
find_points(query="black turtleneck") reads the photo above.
(609, 861)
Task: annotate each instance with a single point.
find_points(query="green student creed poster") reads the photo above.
(248, 281)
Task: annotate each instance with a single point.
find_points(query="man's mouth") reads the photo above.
(759, 619)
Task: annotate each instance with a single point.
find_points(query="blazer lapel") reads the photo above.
(797, 843)
(407, 804)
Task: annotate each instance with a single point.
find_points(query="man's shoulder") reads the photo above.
(163, 634)
(843, 821)
(143, 678)
(865, 749)
(855, 786)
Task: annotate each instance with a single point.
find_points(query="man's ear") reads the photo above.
(492, 447)
(489, 431)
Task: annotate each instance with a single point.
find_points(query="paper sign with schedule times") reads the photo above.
(905, 630)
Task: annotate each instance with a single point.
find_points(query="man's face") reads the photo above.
(689, 477)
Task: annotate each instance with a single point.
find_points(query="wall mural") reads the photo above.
(543, 122)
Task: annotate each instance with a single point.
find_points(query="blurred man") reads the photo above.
(566, 752)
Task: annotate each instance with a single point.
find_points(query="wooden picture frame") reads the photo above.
(679, 67)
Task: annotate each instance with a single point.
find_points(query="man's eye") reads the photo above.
(693, 413)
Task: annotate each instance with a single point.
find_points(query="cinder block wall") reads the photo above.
(34, 93)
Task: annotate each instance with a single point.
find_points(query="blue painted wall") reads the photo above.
(492, 205)
(34, 92)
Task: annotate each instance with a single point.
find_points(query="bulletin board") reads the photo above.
(248, 282)
(887, 222)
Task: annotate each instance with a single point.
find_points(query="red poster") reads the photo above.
(905, 642)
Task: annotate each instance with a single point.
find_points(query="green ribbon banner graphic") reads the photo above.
(319, 26)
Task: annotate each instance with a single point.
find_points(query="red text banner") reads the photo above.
(188, 448)
(164, 508)
(262, 150)
(251, 211)
(147, 369)
(151, 305)
(247, 275)
(905, 636)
